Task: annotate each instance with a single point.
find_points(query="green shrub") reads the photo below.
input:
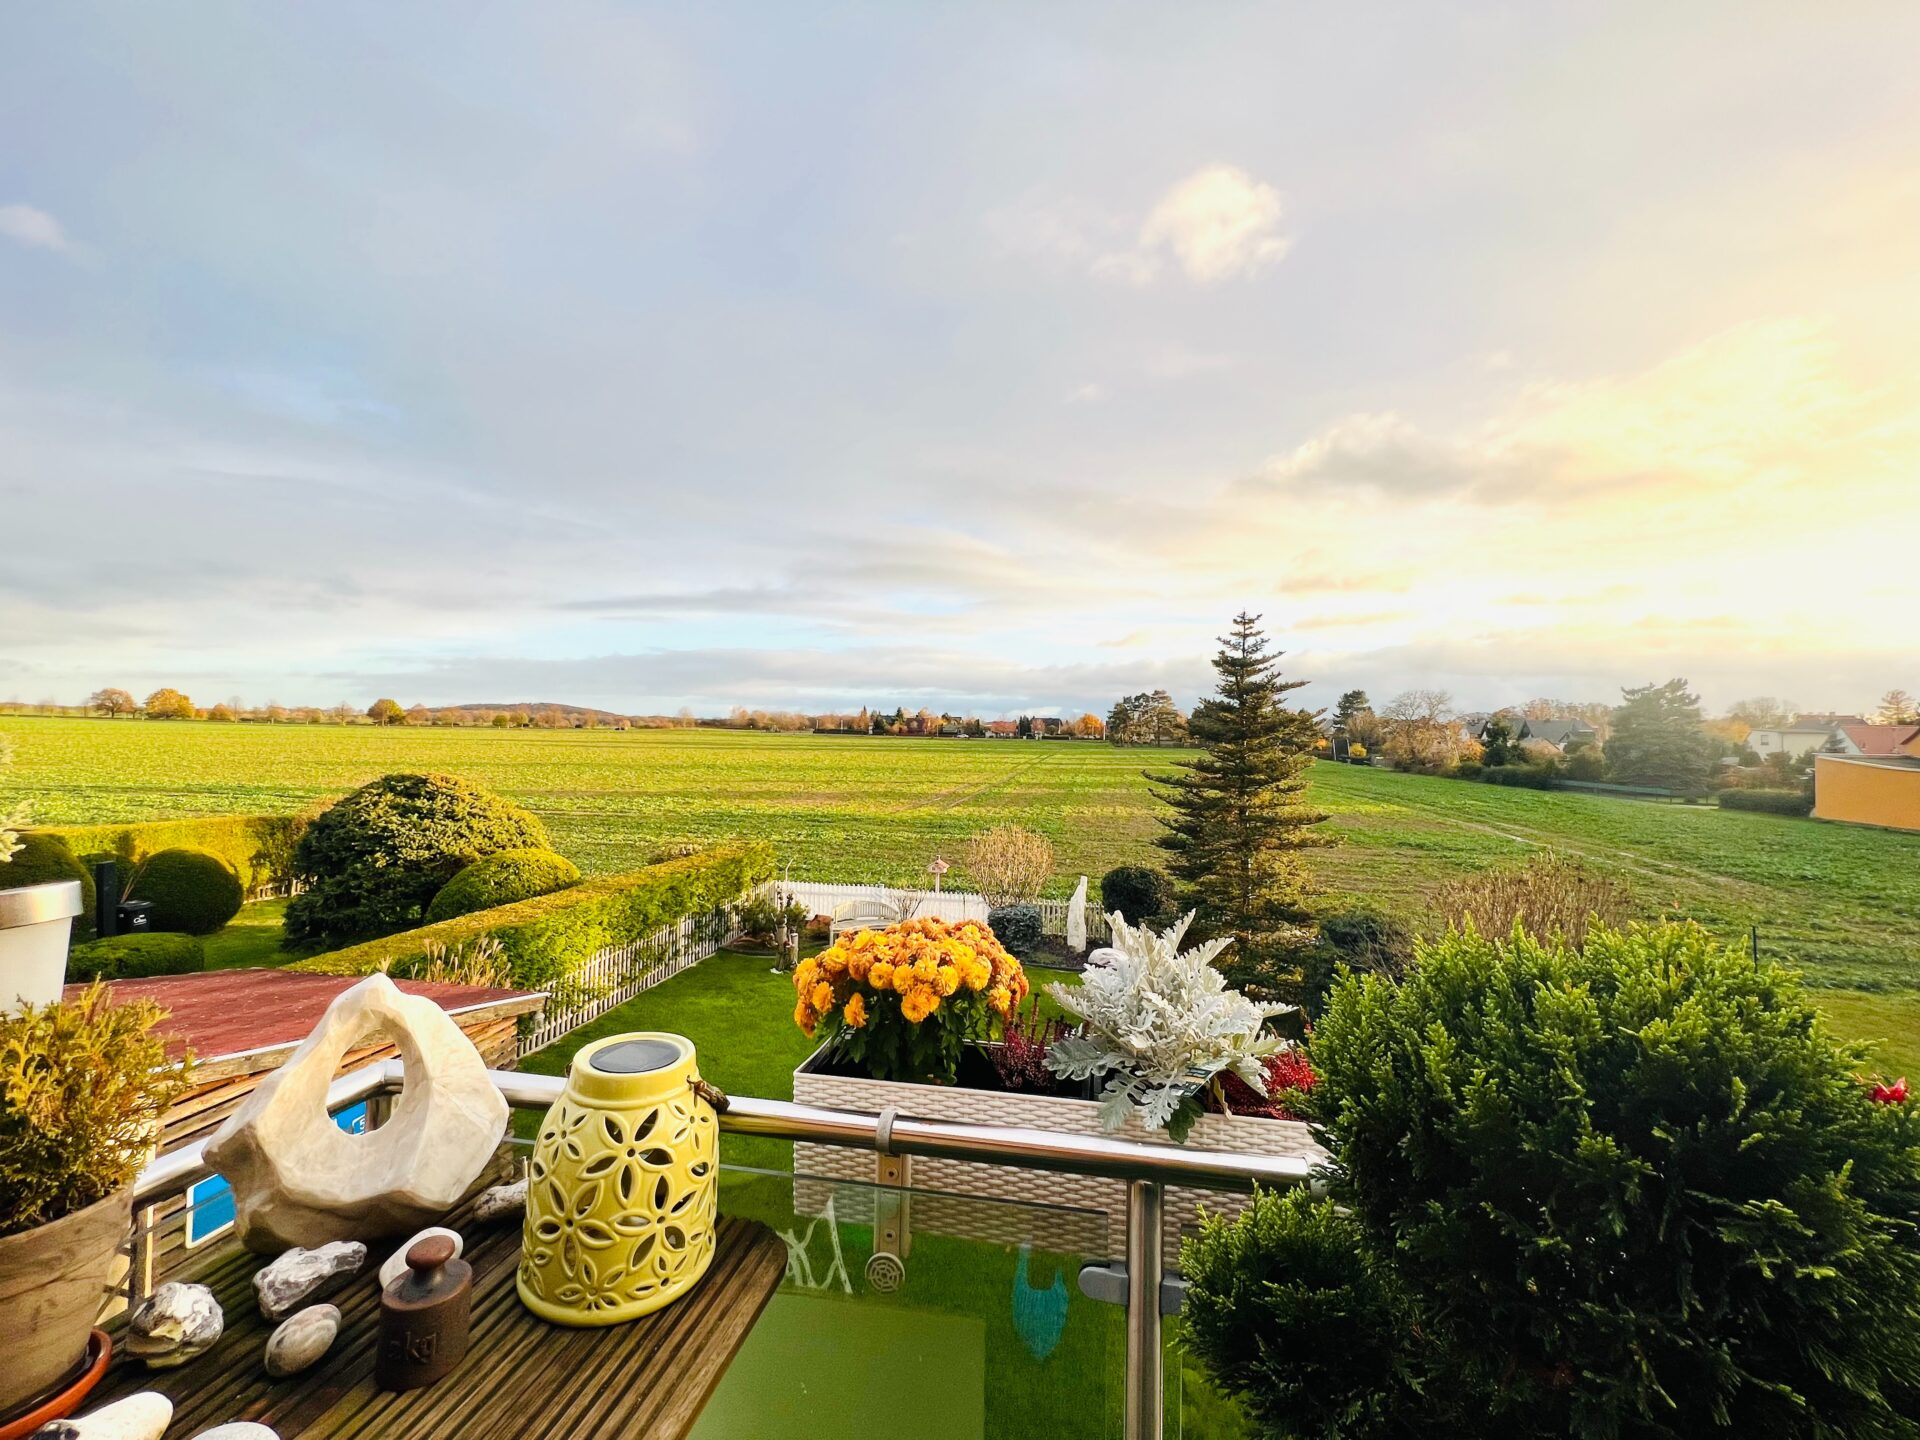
(502, 879)
(1468, 770)
(42, 859)
(1138, 892)
(1586, 763)
(546, 938)
(1634, 1189)
(1768, 802)
(373, 861)
(259, 848)
(1016, 927)
(85, 1086)
(1294, 1320)
(1526, 777)
(1362, 939)
(134, 955)
(191, 891)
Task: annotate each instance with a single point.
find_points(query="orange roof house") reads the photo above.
(1882, 739)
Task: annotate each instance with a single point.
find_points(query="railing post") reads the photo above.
(1145, 1383)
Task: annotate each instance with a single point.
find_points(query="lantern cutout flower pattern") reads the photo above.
(621, 1189)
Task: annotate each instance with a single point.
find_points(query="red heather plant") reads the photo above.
(1021, 1058)
(1287, 1070)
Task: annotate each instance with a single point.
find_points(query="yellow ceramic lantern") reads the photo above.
(621, 1189)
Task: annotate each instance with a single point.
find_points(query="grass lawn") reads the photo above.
(251, 938)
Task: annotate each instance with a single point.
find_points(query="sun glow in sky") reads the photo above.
(986, 357)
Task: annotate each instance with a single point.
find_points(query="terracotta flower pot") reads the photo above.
(53, 1283)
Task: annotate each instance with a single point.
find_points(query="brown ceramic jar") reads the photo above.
(424, 1317)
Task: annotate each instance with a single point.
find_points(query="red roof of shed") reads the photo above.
(222, 1013)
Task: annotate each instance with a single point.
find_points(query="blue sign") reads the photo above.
(210, 1202)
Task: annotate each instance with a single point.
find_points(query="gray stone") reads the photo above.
(500, 1202)
(303, 1275)
(396, 1265)
(298, 1179)
(301, 1340)
(238, 1430)
(144, 1416)
(174, 1324)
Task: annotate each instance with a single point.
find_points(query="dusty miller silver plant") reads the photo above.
(1157, 1023)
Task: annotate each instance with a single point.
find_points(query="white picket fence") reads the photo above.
(620, 972)
(952, 905)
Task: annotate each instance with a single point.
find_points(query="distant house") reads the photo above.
(1003, 729)
(1048, 724)
(1864, 739)
(952, 730)
(1800, 737)
(1562, 735)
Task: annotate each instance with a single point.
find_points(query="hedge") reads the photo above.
(1017, 927)
(545, 938)
(131, 956)
(1526, 777)
(258, 847)
(1768, 802)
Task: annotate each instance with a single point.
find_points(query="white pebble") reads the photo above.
(302, 1275)
(174, 1324)
(238, 1430)
(138, 1417)
(301, 1340)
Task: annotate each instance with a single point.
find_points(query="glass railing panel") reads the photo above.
(907, 1310)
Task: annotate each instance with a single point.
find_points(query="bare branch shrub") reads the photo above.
(1547, 895)
(1008, 864)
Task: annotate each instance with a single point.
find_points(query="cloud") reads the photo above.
(1219, 223)
(35, 229)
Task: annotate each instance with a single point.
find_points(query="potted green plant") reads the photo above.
(83, 1087)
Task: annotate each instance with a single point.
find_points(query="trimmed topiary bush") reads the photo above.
(502, 879)
(1138, 892)
(1016, 927)
(43, 859)
(192, 891)
(372, 862)
(129, 957)
(1768, 802)
(1634, 1189)
(258, 847)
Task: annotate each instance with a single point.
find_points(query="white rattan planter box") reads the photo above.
(1239, 1134)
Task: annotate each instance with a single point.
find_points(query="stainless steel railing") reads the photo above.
(1147, 1169)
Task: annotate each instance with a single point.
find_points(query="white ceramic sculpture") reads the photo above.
(1077, 919)
(298, 1179)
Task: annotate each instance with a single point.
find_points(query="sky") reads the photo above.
(987, 357)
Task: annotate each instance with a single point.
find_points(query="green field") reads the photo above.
(1840, 902)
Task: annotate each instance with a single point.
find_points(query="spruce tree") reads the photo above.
(1239, 817)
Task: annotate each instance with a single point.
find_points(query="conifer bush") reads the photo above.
(1017, 927)
(372, 862)
(1139, 892)
(1631, 1189)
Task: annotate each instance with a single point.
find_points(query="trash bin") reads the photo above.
(135, 915)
